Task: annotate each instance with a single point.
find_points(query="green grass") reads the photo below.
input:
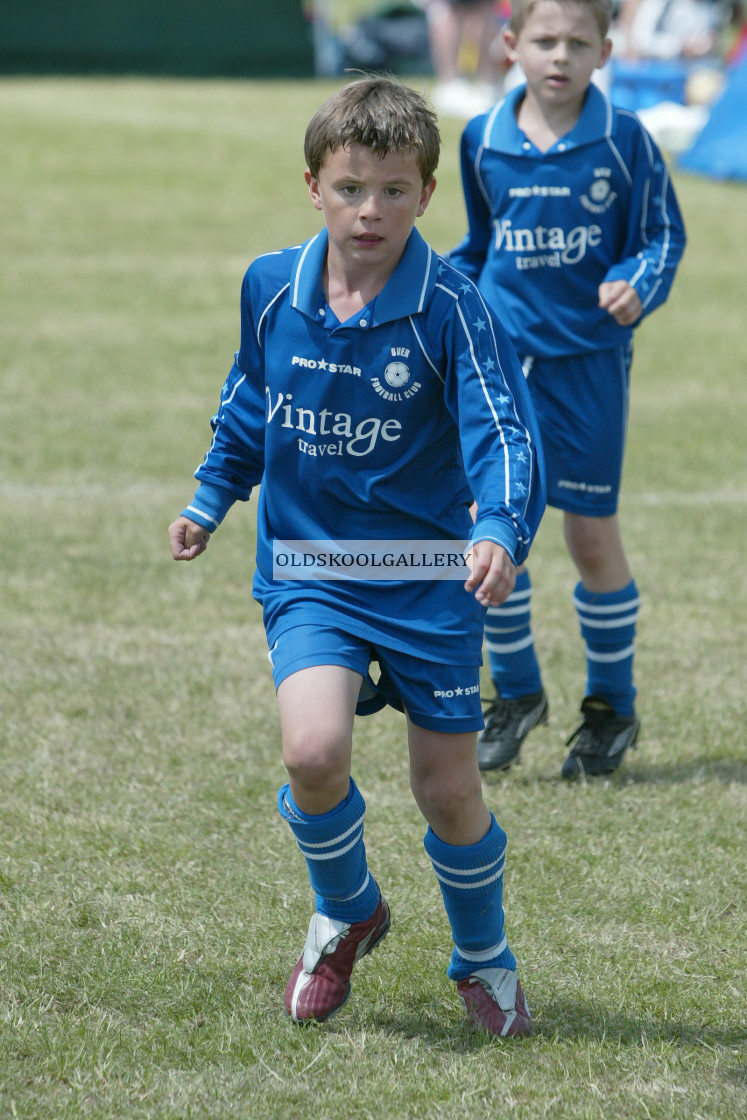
(151, 900)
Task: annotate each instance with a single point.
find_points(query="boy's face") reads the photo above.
(370, 205)
(559, 48)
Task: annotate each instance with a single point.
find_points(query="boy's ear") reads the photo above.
(606, 52)
(426, 196)
(509, 41)
(312, 184)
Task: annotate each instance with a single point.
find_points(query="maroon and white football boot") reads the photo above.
(320, 983)
(493, 1000)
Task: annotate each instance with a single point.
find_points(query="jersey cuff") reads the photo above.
(493, 529)
(209, 506)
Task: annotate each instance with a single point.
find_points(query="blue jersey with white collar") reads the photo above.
(547, 228)
(383, 427)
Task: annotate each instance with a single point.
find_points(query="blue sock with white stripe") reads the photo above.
(608, 622)
(510, 643)
(471, 882)
(332, 844)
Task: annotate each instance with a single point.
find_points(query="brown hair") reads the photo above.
(381, 114)
(602, 10)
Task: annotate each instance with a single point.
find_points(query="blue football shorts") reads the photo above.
(435, 696)
(581, 403)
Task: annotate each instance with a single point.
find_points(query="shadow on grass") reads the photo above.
(561, 1020)
(565, 1022)
(726, 770)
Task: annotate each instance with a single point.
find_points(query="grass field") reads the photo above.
(151, 900)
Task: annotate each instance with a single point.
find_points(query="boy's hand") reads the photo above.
(493, 573)
(187, 539)
(621, 300)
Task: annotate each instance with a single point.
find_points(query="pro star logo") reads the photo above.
(397, 377)
(600, 195)
(323, 364)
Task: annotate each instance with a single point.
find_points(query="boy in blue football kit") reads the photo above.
(574, 235)
(373, 396)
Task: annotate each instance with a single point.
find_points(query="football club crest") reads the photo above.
(396, 382)
(600, 194)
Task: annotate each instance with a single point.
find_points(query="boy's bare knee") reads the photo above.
(451, 803)
(316, 763)
(310, 769)
(584, 538)
(596, 549)
(590, 555)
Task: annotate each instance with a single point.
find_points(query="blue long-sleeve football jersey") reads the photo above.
(383, 427)
(546, 228)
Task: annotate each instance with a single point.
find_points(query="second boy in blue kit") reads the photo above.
(574, 236)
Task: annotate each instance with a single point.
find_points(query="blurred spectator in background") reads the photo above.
(669, 65)
(467, 52)
(672, 29)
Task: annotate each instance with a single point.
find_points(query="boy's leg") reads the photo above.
(317, 707)
(607, 601)
(325, 811)
(467, 849)
(520, 702)
(581, 404)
